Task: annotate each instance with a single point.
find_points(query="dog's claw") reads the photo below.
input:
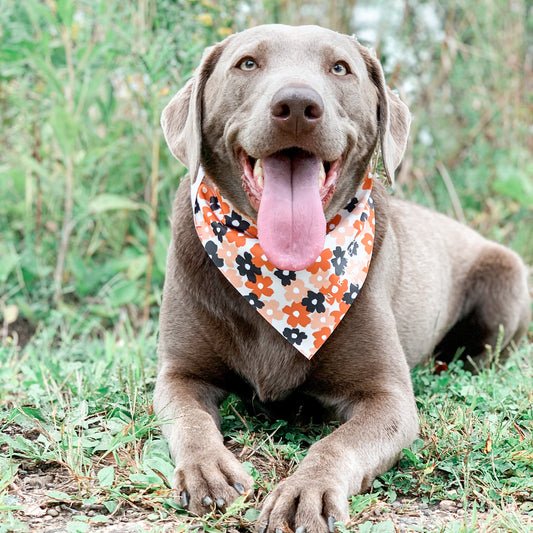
(239, 488)
(263, 526)
(331, 524)
(184, 499)
(220, 503)
(301, 529)
(207, 501)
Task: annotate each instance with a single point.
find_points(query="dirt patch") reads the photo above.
(413, 515)
(18, 333)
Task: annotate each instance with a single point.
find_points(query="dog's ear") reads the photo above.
(394, 118)
(181, 119)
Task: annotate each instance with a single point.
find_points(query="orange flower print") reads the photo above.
(342, 233)
(355, 270)
(322, 263)
(261, 287)
(236, 237)
(332, 224)
(297, 315)
(228, 252)
(271, 310)
(368, 242)
(233, 277)
(358, 226)
(252, 231)
(367, 184)
(336, 290)
(208, 214)
(322, 320)
(321, 336)
(319, 280)
(204, 231)
(259, 258)
(338, 315)
(295, 291)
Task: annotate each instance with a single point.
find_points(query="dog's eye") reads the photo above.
(248, 64)
(340, 68)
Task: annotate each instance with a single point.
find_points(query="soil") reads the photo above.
(19, 332)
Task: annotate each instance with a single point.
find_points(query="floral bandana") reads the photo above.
(304, 306)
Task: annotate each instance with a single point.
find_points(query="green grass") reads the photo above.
(78, 406)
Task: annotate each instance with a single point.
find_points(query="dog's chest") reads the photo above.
(266, 362)
(258, 359)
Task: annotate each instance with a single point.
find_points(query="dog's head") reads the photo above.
(284, 120)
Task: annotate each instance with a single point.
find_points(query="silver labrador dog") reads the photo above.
(279, 124)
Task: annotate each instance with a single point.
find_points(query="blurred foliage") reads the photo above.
(467, 69)
(87, 181)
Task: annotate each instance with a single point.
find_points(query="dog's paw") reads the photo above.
(205, 482)
(304, 504)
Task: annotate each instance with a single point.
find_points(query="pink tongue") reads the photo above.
(290, 222)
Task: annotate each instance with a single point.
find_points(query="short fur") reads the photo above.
(433, 284)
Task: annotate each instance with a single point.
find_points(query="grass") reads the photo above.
(87, 188)
(77, 408)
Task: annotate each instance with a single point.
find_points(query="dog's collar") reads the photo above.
(304, 306)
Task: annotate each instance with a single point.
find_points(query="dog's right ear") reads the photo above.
(393, 117)
(181, 119)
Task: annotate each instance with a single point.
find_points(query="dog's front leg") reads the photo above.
(207, 474)
(381, 423)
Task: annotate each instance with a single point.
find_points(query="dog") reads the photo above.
(294, 279)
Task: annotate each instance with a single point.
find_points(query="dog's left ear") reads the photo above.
(394, 118)
(181, 119)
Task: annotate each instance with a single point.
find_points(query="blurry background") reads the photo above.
(87, 181)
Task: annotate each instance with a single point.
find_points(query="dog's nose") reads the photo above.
(296, 109)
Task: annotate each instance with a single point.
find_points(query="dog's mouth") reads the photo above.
(289, 190)
(253, 176)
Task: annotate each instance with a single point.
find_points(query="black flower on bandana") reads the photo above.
(352, 204)
(211, 249)
(246, 267)
(196, 206)
(351, 294)
(253, 300)
(314, 302)
(219, 230)
(286, 276)
(371, 202)
(352, 248)
(339, 261)
(213, 202)
(364, 217)
(236, 222)
(294, 335)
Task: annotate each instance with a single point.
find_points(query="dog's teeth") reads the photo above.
(321, 175)
(258, 173)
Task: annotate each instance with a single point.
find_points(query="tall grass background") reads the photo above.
(87, 181)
